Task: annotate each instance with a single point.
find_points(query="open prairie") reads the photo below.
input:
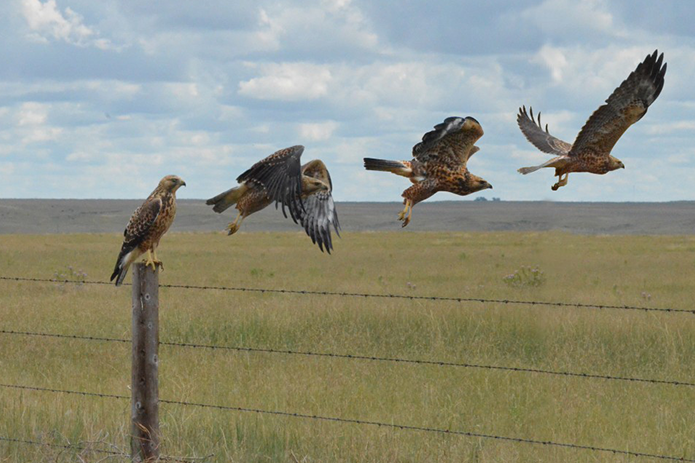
(649, 271)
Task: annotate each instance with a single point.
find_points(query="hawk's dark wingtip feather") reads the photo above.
(653, 68)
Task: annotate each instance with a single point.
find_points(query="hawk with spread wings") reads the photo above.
(147, 226)
(439, 163)
(590, 152)
(303, 190)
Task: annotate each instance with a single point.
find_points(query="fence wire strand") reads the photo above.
(63, 446)
(94, 450)
(371, 423)
(372, 295)
(366, 358)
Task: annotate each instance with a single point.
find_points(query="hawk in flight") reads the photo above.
(438, 164)
(591, 150)
(304, 190)
(147, 226)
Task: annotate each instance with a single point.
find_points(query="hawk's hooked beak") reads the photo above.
(489, 186)
(183, 183)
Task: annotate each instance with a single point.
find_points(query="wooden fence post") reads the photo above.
(145, 437)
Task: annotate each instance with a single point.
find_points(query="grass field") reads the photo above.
(645, 271)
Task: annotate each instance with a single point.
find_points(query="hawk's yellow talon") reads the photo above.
(561, 182)
(151, 261)
(405, 214)
(232, 228)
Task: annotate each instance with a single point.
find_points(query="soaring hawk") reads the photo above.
(438, 164)
(591, 150)
(147, 226)
(305, 190)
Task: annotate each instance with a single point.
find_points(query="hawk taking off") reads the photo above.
(591, 150)
(147, 226)
(305, 190)
(438, 164)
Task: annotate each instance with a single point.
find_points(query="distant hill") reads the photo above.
(38, 216)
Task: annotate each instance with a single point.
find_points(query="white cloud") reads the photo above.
(554, 59)
(588, 73)
(41, 134)
(382, 87)
(569, 17)
(288, 82)
(183, 89)
(32, 113)
(325, 25)
(270, 31)
(531, 155)
(80, 157)
(670, 127)
(351, 151)
(46, 21)
(317, 131)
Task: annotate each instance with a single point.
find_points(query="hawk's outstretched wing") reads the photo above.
(541, 139)
(136, 231)
(451, 142)
(627, 104)
(319, 212)
(280, 174)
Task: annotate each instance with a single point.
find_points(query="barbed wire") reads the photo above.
(373, 295)
(433, 363)
(366, 358)
(373, 423)
(434, 430)
(60, 281)
(65, 336)
(95, 450)
(64, 391)
(63, 446)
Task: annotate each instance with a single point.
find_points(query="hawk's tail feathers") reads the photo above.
(556, 162)
(122, 266)
(397, 167)
(528, 170)
(227, 199)
(121, 273)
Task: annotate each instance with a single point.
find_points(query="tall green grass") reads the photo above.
(644, 271)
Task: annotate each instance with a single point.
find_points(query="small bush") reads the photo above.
(525, 277)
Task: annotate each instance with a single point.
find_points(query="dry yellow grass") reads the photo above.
(645, 271)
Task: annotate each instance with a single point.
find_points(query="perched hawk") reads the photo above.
(439, 163)
(304, 190)
(591, 150)
(147, 226)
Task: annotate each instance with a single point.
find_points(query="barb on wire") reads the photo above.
(378, 296)
(403, 427)
(367, 358)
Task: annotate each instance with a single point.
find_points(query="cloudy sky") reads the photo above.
(100, 99)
